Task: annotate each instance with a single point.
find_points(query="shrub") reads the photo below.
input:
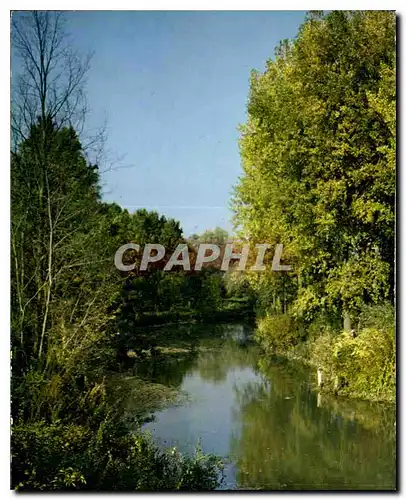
(278, 333)
(366, 363)
(71, 457)
(380, 316)
(361, 364)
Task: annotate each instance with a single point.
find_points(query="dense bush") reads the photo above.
(380, 316)
(358, 363)
(72, 457)
(279, 332)
(361, 364)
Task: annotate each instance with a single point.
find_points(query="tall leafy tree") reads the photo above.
(62, 279)
(318, 154)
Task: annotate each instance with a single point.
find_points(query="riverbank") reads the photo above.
(357, 364)
(170, 348)
(229, 310)
(265, 418)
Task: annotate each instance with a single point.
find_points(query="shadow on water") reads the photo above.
(267, 419)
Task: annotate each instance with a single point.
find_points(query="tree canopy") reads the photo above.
(318, 157)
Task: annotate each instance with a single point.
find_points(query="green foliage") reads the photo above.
(380, 316)
(362, 367)
(211, 292)
(239, 287)
(150, 227)
(318, 154)
(67, 298)
(218, 236)
(68, 301)
(158, 292)
(361, 364)
(63, 282)
(155, 291)
(291, 438)
(325, 323)
(71, 457)
(279, 333)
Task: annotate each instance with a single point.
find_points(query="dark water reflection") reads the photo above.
(267, 420)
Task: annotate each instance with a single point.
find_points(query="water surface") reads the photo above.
(267, 420)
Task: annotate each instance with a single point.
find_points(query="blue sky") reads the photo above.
(173, 87)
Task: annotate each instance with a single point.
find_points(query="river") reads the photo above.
(268, 422)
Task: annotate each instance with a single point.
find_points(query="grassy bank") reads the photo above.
(359, 363)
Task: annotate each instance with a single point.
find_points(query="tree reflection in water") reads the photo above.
(268, 421)
(292, 439)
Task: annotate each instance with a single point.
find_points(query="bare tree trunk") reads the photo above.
(49, 273)
(48, 92)
(346, 321)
